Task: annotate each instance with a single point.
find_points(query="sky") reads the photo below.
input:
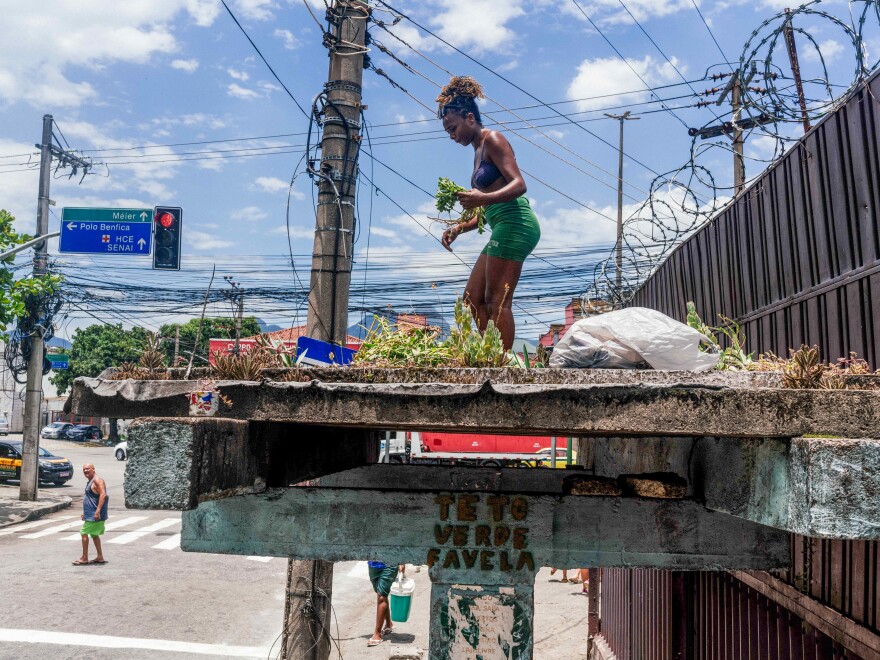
(175, 107)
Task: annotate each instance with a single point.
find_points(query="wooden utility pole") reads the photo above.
(619, 260)
(331, 256)
(795, 68)
(306, 634)
(739, 164)
(30, 469)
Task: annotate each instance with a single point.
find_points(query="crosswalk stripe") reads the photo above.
(113, 525)
(262, 559)
(15, 529)
(170, 543)
(143, 531)
(52, 530)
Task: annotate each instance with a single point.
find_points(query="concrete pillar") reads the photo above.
(493, 620)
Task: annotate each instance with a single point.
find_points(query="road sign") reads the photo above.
(106, 231)
(321, 353)
(59, 360)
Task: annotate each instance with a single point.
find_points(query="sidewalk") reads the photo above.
(13, 510)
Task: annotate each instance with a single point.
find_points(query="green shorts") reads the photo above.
(515, 230)
(382, 579)
(92, 528)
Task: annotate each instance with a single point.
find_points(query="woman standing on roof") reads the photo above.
(499, 187)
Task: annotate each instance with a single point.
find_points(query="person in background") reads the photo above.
(382, 576)
(499, 187)
(95, 502)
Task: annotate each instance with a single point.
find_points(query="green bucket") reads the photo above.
(400, 598)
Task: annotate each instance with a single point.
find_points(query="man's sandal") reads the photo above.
(375, 642)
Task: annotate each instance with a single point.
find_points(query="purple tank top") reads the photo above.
(486, 173)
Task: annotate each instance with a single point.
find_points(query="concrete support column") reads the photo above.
(493, 620)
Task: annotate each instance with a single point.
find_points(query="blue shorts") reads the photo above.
(382, 579)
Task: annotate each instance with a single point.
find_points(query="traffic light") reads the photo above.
(166, 237)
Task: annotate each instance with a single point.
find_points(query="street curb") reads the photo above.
(40, 510)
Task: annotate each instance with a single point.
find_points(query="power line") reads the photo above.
(265, 61)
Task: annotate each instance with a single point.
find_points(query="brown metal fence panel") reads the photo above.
(796, 257)
(727, 619)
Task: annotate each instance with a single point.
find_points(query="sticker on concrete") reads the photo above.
(486, 626)
(203, 404)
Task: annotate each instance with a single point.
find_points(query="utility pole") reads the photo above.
(28, 485)
(340, 118)
(176, 345)
(739, 165)
(306, 632)
(237, 298)
(795, 67)
(621, 118)
(33, 401)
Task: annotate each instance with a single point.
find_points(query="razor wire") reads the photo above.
(683, 200)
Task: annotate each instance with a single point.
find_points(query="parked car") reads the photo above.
(542, 458)
(4, 426)
(53, 468)
(56, 430)
(83, 432)
(122, 451)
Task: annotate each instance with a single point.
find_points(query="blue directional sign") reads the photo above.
(127, 232)
(321, 353)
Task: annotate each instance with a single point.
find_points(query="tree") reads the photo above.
(15, 292)
(98, 347)
(212, 328)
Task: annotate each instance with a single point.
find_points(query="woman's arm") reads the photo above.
(453, 232)
(499, 152)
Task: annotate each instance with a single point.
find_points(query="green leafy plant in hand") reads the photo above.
(446, 199)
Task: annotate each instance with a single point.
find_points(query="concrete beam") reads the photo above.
(563, 409)
(817, 487)
(479, 535)
(176, 463)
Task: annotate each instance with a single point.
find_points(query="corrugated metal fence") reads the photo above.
(796, 258)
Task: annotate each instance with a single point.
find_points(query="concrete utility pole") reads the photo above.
(176, 345)
(621, 118)
(28, 486)
(331, 257)
(795, 68)
(306, 634)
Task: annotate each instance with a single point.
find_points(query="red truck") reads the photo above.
(431, 448)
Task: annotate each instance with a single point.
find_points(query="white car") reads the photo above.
(122, 451)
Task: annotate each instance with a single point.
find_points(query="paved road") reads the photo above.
(152, 601)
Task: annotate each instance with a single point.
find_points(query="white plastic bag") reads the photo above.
(631, 338)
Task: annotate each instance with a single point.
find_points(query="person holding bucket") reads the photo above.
(382, 576)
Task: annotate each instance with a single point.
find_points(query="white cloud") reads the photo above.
(189, 66)
(610, 12)
(44, 72)
(830, 49)
(479, 24)
(612, 76)
(199, 240)
(295, 232)
(238, 75)
(273, 184)
(257, 10)
(286, 36)
(242, 92)
(250, 214)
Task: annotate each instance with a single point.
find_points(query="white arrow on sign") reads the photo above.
(144, 215)
(141, 243)
(70, 225)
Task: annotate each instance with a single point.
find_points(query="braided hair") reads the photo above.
(460, 96)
